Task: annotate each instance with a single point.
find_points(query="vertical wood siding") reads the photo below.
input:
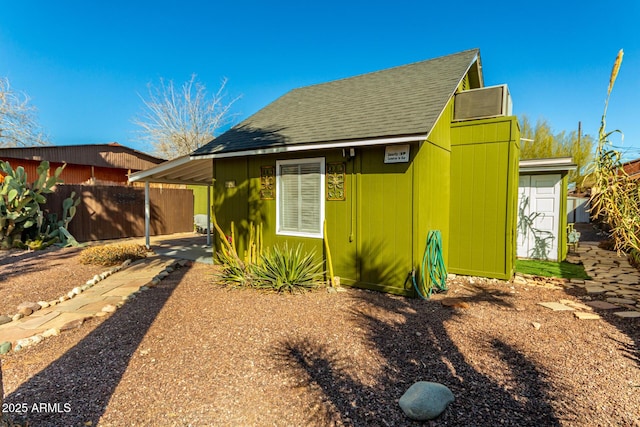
(484, 171)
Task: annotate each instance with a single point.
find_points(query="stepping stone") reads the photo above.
(36, 322)
(124, 290)
(585, 316)
(595, 290)
(629, 292)
(556, 306)
(627, 314)
(64, 319)
(602, 305)
(575, 304)
(95, 306)
(620, 301)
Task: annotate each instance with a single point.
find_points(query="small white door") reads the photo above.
(538, 216)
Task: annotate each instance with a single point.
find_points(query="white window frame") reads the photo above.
(279, 164)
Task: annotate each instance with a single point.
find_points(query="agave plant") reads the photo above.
(287, 270)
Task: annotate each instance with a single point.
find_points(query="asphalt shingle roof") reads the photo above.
(400, 101)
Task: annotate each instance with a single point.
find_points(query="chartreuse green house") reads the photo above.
(381, 159)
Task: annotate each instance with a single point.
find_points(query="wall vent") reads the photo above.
(483, 103)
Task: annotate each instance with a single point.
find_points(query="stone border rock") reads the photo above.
(107, 309)
(28, 308)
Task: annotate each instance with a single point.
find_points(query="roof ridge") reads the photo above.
(402, 100)
(395, 67)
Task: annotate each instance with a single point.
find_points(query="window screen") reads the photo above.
(300, 197)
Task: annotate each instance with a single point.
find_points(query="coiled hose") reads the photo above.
(433, 262)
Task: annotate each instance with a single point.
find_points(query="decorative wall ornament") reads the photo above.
(335, 181)
(267, 182)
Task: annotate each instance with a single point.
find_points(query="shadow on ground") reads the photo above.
(417, 347)
(16, 262)
(629, 327)
(86, 376)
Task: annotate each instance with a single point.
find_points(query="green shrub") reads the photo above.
(112, 254)
(233, 271)
(287, 270)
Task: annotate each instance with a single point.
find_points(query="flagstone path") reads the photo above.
(614, 284)
(100, 296)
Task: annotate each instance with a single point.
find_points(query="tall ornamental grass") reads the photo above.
(615, 198)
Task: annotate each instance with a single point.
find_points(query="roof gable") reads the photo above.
(400, 101)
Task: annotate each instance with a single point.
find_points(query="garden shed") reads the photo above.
(381, 159)
(542, 208)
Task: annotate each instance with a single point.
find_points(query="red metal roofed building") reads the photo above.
(632, 168)
(103, 164)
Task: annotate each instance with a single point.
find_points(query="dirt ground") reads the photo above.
(190, 352)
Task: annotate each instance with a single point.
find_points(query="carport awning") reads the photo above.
(183, 170)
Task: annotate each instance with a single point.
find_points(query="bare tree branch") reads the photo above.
(18, 125)
(176, 122)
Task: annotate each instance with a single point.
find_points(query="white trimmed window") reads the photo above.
(300, 197)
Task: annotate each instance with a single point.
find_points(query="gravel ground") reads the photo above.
(43, 275)
(190, 352)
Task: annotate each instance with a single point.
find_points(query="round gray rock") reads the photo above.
(425, 400)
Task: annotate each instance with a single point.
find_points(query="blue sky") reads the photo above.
(84, 63)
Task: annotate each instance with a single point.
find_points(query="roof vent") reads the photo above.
(483, 103)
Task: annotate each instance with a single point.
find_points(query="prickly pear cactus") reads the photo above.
(59, 229)
(20, 202)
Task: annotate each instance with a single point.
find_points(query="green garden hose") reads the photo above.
(433, 262)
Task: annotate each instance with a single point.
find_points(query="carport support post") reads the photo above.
(147, 214)
(208, 215)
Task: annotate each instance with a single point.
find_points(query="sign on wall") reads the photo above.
(396, 153)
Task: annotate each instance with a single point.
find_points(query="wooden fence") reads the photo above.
(114, 212)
